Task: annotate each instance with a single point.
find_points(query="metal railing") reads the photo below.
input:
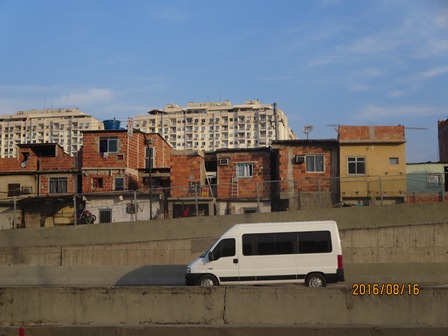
(243, 194)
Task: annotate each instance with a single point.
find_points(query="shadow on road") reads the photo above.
(154, 275)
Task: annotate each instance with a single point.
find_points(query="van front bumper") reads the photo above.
(191, 279)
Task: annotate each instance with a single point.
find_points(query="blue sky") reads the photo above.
(324, 62)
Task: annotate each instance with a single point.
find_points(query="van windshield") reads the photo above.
(206, 252)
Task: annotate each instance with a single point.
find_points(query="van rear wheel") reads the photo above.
(207, 281)
(315, 280)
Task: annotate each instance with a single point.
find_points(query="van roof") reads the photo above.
(280, 226)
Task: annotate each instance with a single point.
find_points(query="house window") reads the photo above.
(393, 161)
(119, 183)
(244, 170)
(432, 181)
(58, 185)
(98, 182)
(356, 165)
(108, 144)
(13, 189)
(105, 215)
(149, 157)
(314, 163)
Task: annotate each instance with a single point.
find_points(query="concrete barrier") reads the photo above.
(226, 330)
(293, 306)
(387, 234)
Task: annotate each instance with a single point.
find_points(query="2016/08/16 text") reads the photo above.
(360, 289)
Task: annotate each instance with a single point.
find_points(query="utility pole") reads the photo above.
(149, 174)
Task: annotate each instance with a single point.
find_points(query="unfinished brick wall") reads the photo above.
(186, 166)
(44, 183)
(230, 186)
(295, 175)
(125, 163)
(371, 133)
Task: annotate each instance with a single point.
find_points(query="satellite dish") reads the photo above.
(307, 130)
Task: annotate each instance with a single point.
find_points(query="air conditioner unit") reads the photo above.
(130, 208)
(149, 141)
(299, 159)
(26, 190)
(224, 162)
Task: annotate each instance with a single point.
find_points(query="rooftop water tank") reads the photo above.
(111, 125)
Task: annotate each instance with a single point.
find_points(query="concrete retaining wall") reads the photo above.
(395, 233)
(256, 306)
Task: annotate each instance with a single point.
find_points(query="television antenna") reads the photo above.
(307, 130)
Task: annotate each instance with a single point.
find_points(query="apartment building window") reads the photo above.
(314, 163)
(13, 189)
(149, 157)
(108, 144)
(58, 185)
(244, 170)
(119, 183)
(356, 165)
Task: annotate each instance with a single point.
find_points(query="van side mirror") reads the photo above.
(211, 257)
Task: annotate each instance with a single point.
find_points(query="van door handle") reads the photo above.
(235, 261)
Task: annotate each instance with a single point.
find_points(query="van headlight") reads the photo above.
(188, 270)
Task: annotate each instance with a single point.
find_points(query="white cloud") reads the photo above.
(167, 13)
(360, 88)
(433, 72)
(276, 78)
(396, 93)
(79, 98)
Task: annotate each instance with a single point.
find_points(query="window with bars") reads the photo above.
(105, 215)
(433, 181)
(13, 189)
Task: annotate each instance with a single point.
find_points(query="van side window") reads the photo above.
(225, 248)
(269, 243)
(315, 242)
(287, 243)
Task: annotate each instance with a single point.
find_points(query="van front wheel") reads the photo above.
(315, 280)
(207, 281)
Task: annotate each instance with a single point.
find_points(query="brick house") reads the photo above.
(190, 193)
(372, 164)
(307, 173)
(117, 166)
(243, 177)
(41, 180)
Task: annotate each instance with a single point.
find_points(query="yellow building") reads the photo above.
(372, 164)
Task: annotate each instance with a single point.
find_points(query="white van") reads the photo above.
(269, 253)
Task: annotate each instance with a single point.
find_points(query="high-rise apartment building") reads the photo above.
(61, 126)
(214, 125)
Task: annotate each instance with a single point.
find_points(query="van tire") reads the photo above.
(315, 280)
(207, 281)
